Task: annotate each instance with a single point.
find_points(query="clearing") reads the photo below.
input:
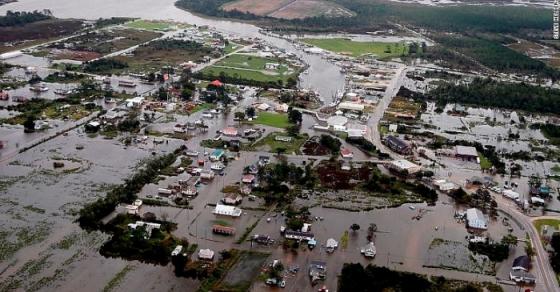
(289, 9)
(270, 144)
(252, 68)
(272, 119)
(355, 49)
(150, 25)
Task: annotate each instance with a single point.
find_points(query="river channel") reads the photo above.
(320, 70)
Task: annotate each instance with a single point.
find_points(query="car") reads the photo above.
(268, 219)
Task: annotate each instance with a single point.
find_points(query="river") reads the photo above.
(319, 72)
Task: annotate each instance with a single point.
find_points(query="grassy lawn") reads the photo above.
(202, 107)
(356, 49)
(251, 68)
(541, 222)
(269, 142)
(148, 25)
(272, 119)
(484, 162)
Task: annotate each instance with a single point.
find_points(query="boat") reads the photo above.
(63, 92)
(127, 83)
(39, 88)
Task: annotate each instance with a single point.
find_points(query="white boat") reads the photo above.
(39, 88)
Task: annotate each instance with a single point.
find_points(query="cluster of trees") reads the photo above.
(92, 213)
(356, 278)
(491, 93)
(390, 185)
(20, 18)
(495, 55)
(136, 244)
(373, 14)
(555, 257)
(550, 131)
(101, 22)
(277, 178)
(333, 144)
(496, 251)
(63, 77)
(104, 65)
(362, 143)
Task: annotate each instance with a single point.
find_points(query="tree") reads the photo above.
(250, 112)
(510, 240)
(294, 116)
(355, 227)
(239, 116)
(29, 124)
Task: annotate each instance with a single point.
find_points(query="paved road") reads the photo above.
(546, 278)
(392, 90)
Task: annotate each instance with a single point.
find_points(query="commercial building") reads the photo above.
(476, 220)
(227, 210)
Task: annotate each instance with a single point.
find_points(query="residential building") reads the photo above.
(232, 199)
(398, 145)
(403, 165)
(217, 154)
(466, 152)
(206, 254)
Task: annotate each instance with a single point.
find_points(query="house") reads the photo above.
(271, 66)
(147, 225)
(317, 271)
(132, 209)
(190, 191)
(466, 153)
(232, 199)
(207, 175)
(227, 210)
(263, 107)
(444, 185)
(282, 108)
(393, 128)
(346, 153)
(521, 263)
(206, 254)
(286, 139)
(404, 166)
(248, 179)
(298, 235)
(262, 239)
(246, 190)
(476, 220)
(331, 245)
(216, 83)
(522, 277)
(92, 127)
(352, 106)
(398, 145)
(224, 230)
(217, 154)
(230, 131)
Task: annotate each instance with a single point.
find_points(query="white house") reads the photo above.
(206, 254)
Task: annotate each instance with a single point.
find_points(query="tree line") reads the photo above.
(492, 93)
(20, 18)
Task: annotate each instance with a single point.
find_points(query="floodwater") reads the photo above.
(320, 71)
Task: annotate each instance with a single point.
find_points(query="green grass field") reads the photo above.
(356, 49)
(148, 25)
(251, 68)
(484, 162)
(272, 119)
(541, 222)
(270, 142)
